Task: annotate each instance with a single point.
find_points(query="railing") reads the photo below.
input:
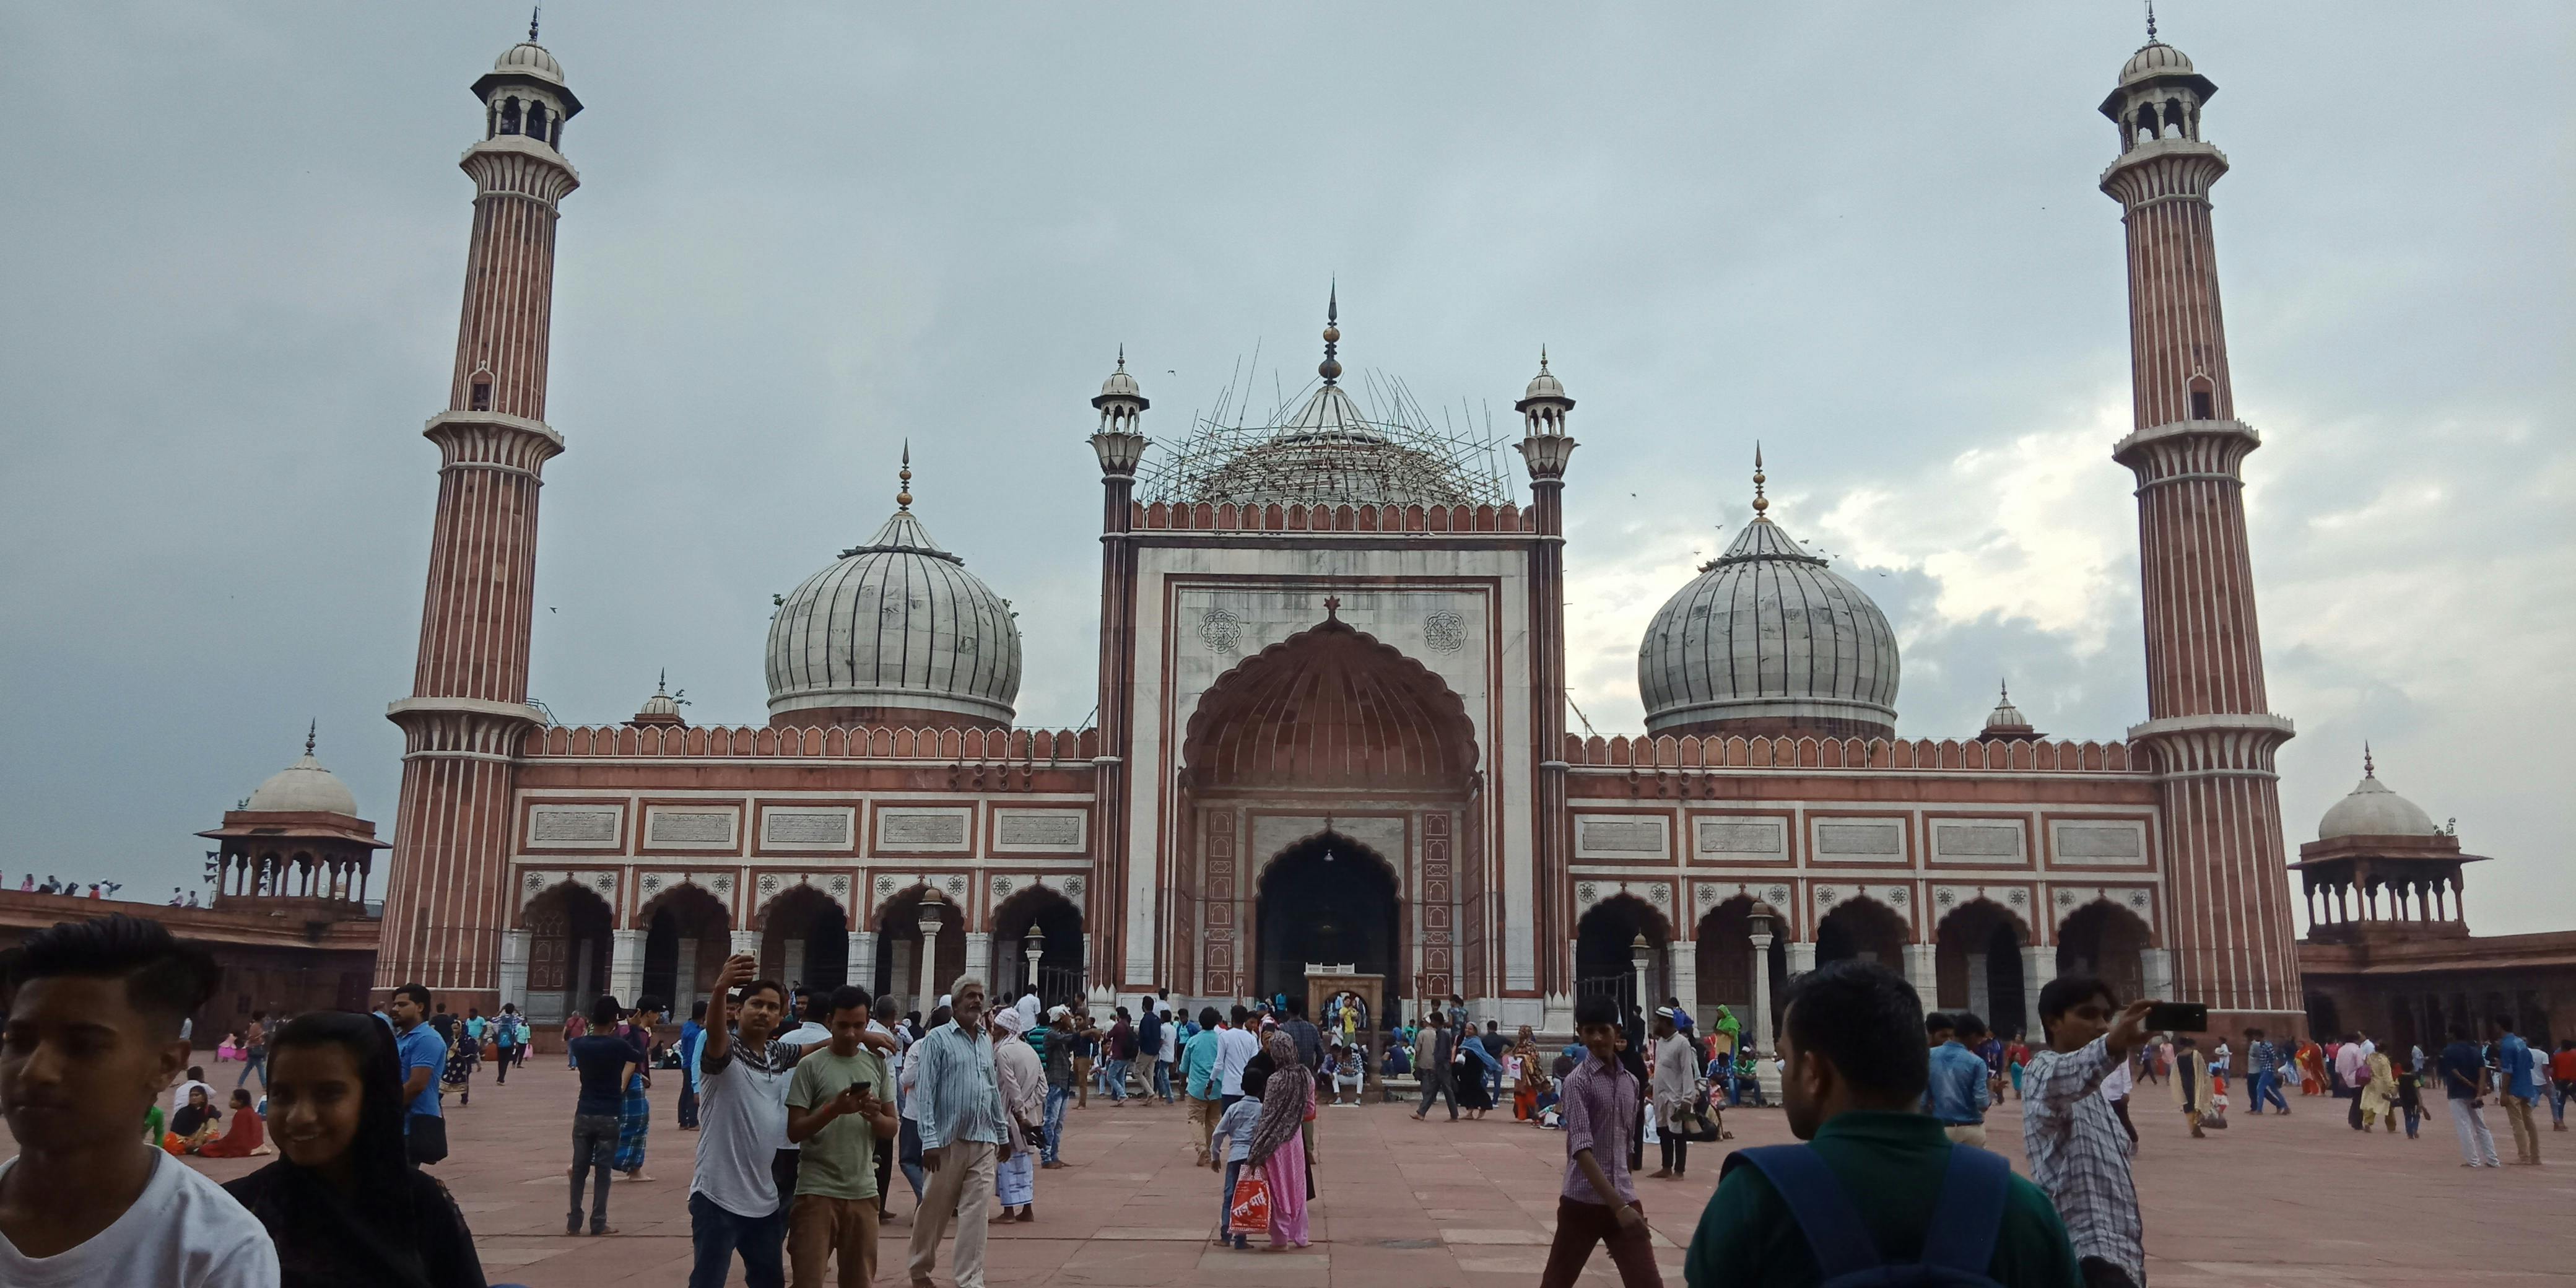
(1720, 752)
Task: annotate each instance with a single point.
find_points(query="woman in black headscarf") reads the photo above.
(342, 1202)
(1278, 1148)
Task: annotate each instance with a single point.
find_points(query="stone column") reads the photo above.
(900, 980)
(1923, 974)
(928, 923)
(625, 965)
(684, 979)
(979, 960)
(863, 960)
(514, 968)
(1980, 988)
(1757, 1026)
(1682, 967)
(1802, 957)
(2155, 965)
(2038, 966)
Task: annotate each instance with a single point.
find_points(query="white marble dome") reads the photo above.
(2373, 810)
(900, 623)
(528, 58)
(304, 787)
(1768, 633)
(2155, 58)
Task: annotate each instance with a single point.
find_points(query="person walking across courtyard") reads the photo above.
(2077, 1133)
(2518, 1086)
(964, 1136)
(1021, 1078)
(693, 1037)
(1434, 1048)
(1278, 1148)
(635, 1118)
(1597, 1202)
(840, 1112)
(606, 1064)
(1200, 1084)
(2464, 1087)
(1063, 1081)
(1676, 1088)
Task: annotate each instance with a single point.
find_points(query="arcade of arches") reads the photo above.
(1333, 785)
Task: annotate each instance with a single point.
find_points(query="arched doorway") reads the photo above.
(1725, 940)
(1862, 928)
(2105, 940)
(900, 962)
(1300, 752)
(1330, 900)
(1978, 962)
(1059, 978)
(805, 940)
(686, 937)
(1605, 942)
(568, 945)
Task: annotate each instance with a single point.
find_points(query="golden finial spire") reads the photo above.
(903, 493)
(1760, 502)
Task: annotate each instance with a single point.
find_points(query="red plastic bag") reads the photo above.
(1249, 1213)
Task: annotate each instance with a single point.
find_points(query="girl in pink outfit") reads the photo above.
(1278, 1144)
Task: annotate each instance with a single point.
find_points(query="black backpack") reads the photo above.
(1957, 1245)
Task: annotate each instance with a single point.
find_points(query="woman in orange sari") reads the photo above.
(2312, 1069)
(244, 1138)
(193, 1126)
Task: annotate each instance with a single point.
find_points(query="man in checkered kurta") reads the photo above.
(2078, 1151)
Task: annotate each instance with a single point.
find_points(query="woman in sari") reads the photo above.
(1529, 1081)
(343, 1201)
(193, 1125)
(247, 1135)
(1278, 1145)
(2312, 1069)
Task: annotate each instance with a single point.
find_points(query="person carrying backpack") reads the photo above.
(1879, 1195)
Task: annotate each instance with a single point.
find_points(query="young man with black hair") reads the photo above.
(92, 1039)
(422, 1055)
(1956, 1093)
(2076, 1135)
(2517, 1077)
(606, 1063)
(735, 1202)
(1598, 1202)
(1434, 1047)
(1878, 1183)
(840, 1111)
(2464, 1089)
(635, 1113)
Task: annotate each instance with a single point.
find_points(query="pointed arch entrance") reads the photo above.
(568, 940)
(1331, 786)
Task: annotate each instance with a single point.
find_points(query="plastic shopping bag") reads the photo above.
(1249, 1212)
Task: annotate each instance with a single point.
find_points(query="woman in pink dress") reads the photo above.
(1278, 1147)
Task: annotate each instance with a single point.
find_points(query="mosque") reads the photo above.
(1331, 728)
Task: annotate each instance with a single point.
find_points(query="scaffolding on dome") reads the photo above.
(1319, 445)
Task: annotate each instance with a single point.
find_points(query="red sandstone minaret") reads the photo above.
(448, 897)
(1545, 448)
(2208, 731)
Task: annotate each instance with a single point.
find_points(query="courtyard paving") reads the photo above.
(2295, 1201)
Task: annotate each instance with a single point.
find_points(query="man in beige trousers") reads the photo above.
(964, 1136)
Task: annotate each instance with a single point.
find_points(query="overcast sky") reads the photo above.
(1867, 235)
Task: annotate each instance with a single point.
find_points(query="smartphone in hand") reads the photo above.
(2178, 1017)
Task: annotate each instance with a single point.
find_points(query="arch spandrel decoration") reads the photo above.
(1330, 706)
(655, 888)
(2136, 900)
(1591, 892)
(1894, 897)
(769, 887)
(1004, 886)
(887, 887)
(535, 884)
(2014, 902)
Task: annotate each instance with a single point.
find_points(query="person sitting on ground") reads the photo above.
(194, 1124)
(94, 1011)
(341, 1202)
(246, 1136)
(1878, 1184)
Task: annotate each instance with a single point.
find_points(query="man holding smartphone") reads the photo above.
(2078, 1150)
(839, 1111)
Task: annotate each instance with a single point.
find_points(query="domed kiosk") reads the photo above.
(2380, 867)
(895, 632)
(297, 836)
(1769, 640)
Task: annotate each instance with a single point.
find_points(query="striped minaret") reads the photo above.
(1546, 447)
(448, 899)
(2208, 730)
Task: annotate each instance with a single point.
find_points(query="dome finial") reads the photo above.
(1542, 360)
(533, 11)
(903, 479)
(2367, 771)
(1122, 355)
(662, 683)
(310, 728)
(2003, 689)
(1760, 502)
(2151, 21)
(1330, 368)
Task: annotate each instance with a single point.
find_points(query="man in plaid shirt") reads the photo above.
(2263, 1063)
(2078, 1151)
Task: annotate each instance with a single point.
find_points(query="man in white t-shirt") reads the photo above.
(93, 1038)
(1235, 1048)
(734, 1199)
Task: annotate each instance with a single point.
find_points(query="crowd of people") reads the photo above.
(805, 1104)
(28, 884)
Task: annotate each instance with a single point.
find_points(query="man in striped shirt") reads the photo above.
(964, 1136)
(2078, 1151)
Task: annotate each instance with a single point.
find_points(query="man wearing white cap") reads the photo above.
(1023, 1087)
(1676, 1088)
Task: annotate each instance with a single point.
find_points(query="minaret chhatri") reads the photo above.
(2208, 731)
(448, 899)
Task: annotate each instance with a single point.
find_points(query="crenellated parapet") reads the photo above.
(838, 742)
(1203, 517)
(1970, 755)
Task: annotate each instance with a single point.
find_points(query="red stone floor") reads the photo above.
(2269, 1201)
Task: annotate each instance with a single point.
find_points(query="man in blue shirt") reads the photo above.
(2518, 1085)
(1956, 1094)
(2263, 1072)
(2464, 1082)
(1199, 1081)
(420, 1052)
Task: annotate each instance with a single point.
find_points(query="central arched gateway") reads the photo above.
(1330, 782)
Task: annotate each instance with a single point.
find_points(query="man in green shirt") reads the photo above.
(838, 1107)
(1854, 1069)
